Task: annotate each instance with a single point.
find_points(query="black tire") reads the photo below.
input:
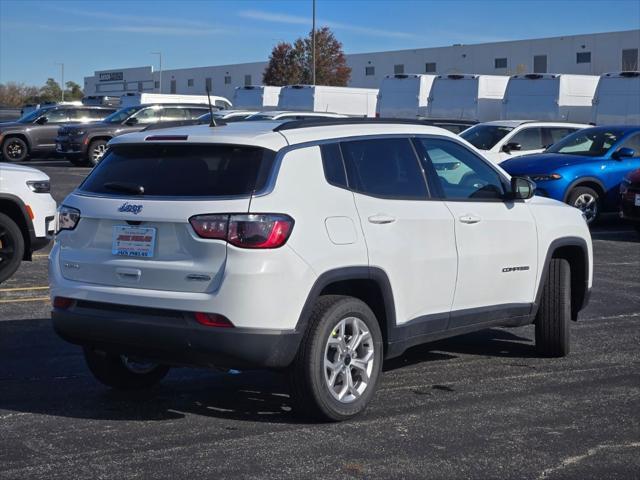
(554, 314)
(310, 391)
(11, 247)
(576, 199)
(112, 371)
(14, 149)
(95, 152)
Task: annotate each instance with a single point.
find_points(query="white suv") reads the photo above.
(319, 247)
(504, 139)
(27, 215)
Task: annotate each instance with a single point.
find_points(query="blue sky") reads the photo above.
(88, 35)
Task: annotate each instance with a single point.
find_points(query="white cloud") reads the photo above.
(297, 20)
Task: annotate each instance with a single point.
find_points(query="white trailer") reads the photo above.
(549, 96)
(357, 102)
(133, 99)
(476, 98)
(617, 99)
(256, 97)
(404, 96)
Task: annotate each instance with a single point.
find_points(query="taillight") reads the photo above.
(63, 303)
(68, 218)
(213, 320)
(253, 230)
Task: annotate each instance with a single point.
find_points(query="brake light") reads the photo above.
(213, 320)
(258, 231)
(63, 303)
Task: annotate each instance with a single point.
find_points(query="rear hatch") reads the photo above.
(134, 228)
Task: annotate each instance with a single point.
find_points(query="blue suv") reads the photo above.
(583, 169)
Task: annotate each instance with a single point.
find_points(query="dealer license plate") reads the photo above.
(133, 241)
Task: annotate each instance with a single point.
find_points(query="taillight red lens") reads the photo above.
(210, 226)
(263, 230)
(213, 320)
(62, 303)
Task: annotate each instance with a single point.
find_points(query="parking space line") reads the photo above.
(34, 299)
(23, 289)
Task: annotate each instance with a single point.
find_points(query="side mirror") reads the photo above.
(509, 147)
(131, 121)
(623, 153)
(522, 188)
(42, 120)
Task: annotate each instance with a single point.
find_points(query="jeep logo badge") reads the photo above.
(127, 207)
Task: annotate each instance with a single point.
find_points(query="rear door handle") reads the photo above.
(468, 218)
(381, 219)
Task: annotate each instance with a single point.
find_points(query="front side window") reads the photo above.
(121, 115)
(634, 144)
(185, 170)
(461, 174)
(485, 137)
(591, 142)
(147, 115)
(385, 167)
(57, 116)
(528, 139)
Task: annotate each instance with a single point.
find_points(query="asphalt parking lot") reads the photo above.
(476, 406)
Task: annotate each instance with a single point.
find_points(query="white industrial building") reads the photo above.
(593, 54)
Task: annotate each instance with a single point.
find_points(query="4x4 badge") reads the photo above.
(127, 207)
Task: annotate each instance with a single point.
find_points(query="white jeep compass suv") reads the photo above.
(27, 215)
(316, 247)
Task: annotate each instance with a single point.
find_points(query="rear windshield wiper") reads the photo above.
(125, 187)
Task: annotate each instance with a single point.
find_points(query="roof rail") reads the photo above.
(321, 122)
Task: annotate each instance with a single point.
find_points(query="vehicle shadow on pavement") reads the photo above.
(489, 343)
(41, 374)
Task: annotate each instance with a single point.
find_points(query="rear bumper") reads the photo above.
(172, 337)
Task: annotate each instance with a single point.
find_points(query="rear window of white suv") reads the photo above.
(181, 170)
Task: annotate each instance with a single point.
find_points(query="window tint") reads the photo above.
(462, 175)
(57, 116)
(528, 138)
(385, 167)
(333, 166)
(553, 135)
(182, 170)
(634, 143)
(174, 113)
(148, 115)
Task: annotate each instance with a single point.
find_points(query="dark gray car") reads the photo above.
(35, 133)
(86, 144)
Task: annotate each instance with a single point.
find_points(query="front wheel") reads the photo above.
(11, 247)
(336, 370)
(96, 151)
(122, 372)
(554, 312)
(15, 149)
(586, 200)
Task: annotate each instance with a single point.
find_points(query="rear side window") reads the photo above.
(555, 134)
(386, 167)
(333, 166)
(529, 139)
(181, 170)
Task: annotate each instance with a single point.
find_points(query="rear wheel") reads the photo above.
(587, 200)
(336, 370)
(14, 149)
(96, 151)
(554, 313)
(11, 247)
(122, 372)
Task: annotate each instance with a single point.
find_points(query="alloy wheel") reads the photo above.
(348, 360)
(98, 152)
(588, 204)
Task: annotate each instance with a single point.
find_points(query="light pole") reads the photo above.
(160, 61)
(62, 75)
(313, 45)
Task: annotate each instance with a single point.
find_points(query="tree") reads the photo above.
(51, 92)
(293, 64)
(285, 66)
(73, 91)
